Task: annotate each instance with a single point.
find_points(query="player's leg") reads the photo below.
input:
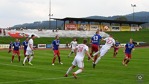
(74, 63)
(103, 51)
(13, 54)
(114, 54)
(81, 66)
(54, 58)
(125, 59)
(26, 57)
(92, 50)
(96, 56)
(9, 50)
(128, 60)
(31, 58)
(18, 54)
(72, 51)
(69, 69)
(59, 58)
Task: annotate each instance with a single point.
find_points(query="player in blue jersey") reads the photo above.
(25, 44)
(128, 49)
(95, 42)
(55, 46)
(10, 47)
(116, 48)
(16, 47)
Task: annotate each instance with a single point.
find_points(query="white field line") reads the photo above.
(37, 79)
(41, 79)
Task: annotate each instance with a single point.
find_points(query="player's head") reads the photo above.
(27, 38)
(17, 40)
(110, 36)
(57, 37)
(131, 40)
(32, 36)
(97, 32)
(74, 39)
(85, 41)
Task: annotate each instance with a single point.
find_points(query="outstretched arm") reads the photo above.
(89, 55)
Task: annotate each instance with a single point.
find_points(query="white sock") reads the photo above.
(70, 53)
(31, 58)
(25, 60)
(70, 68)
(98, 59)
(78, 71)
(96, 53)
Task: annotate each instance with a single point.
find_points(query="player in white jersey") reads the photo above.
(80, 51)
(73, 46)
(104, 49)
(29, 51)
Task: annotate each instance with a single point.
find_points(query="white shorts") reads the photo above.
(72, 49)
(29, 52)
(103, 51)
(79, 62)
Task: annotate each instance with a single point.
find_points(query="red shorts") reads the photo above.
(56, 52)
(24, 52)
(94, 47)
(16, 52)
(116, 49)
(128, 55)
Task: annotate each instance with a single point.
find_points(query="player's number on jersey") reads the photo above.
(95, 38)
(80, 49)
(109, 41)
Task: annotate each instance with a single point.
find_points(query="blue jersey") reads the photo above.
(129, 48)
(117, 44)
(25, 44)
(16, 45)
(96, 39)
(55, 44)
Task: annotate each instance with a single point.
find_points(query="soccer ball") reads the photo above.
(106, 27)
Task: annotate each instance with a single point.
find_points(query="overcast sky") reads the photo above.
(14, 12)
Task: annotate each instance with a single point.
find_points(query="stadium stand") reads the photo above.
(61, 33)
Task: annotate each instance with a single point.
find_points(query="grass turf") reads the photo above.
(108, 71)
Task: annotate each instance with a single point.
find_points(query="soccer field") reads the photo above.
(108, 71)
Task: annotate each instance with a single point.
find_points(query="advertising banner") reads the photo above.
(48, 46)
(41, 45)
(94, 27)
(125, 28)
(2, 46)
(71, 26)
(115, 28)
(83, 27)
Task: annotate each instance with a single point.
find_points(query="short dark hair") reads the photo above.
(32, 35)
(85, 41)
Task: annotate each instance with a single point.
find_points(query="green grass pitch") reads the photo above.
(108, 71)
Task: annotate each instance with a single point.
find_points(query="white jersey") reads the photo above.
(74, 44)
(30, 42)
(109, 42)
(81, 49)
